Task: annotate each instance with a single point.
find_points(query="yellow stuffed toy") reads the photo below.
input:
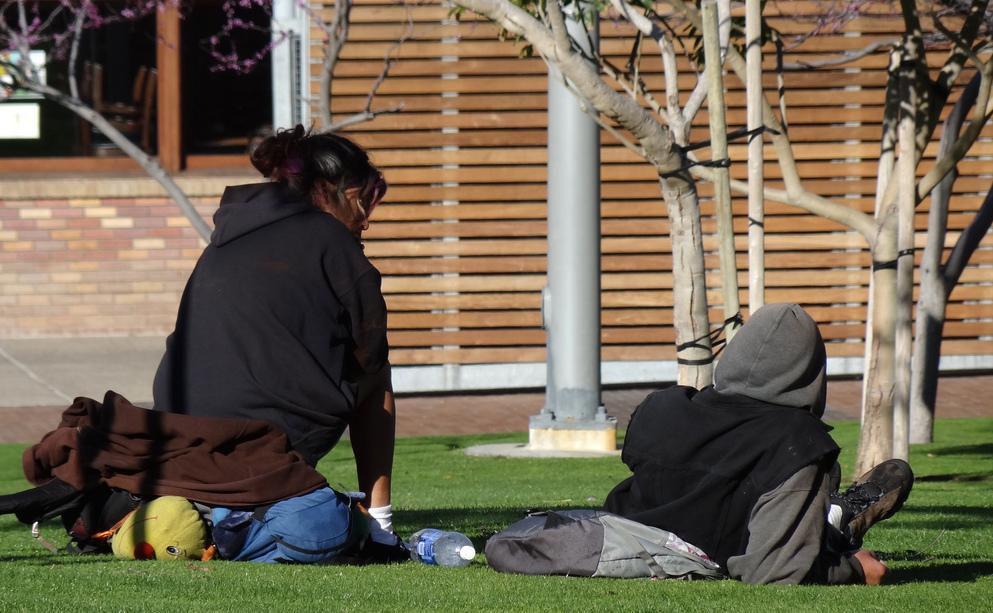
(167, 528)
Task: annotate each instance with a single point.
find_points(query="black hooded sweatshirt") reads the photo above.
(703, 460)
(281, 317)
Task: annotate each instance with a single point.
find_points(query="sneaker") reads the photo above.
(380, 553)
(371, 552)
(875, 496)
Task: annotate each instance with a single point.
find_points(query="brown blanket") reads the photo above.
(227, 462)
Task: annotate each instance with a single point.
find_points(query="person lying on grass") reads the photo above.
(746, 470)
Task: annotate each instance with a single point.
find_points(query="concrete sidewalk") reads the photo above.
(40, 377)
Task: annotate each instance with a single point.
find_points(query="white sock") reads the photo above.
(383, 516)
(834, 516)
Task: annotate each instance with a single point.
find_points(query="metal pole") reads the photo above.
(572, 299)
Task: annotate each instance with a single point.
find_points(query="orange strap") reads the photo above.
(106, 534)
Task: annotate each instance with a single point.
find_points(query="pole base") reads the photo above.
(602, 439)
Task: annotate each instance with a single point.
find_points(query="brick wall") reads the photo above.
(111, 263)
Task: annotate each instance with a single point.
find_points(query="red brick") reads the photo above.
(99, 255)
(50, 245)
(33, 235)
(113, 242)
(21, 224)
(86, 244)
(149, 222)
(84, 222)
(140, 211)
(128, 202)
(151, 203)
(51, 224)
(164, 232)
(103, 234)
(67, 213)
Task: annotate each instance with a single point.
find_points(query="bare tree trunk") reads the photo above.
(756, 179)
(933, 294)
(719, 154)
(876, 433)
(689, 300)
(922, 424)
(927, 354)
(876, 430)
(903, 335)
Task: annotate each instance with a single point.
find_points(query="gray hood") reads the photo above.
(777, 357)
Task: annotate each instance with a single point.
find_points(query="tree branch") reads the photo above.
(584, 78)
(795, 194)
(150, 165)
(336, 33)
(699, 93)
(648, 27)
(962, 48)
(559, 33)
(77, 31)
(967, 243)
(844, 57)
(980, 115)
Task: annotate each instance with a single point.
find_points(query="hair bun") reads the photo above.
(279, 156)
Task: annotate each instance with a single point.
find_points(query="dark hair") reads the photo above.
(320, 165)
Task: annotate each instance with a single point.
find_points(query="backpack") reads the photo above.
(591, 543)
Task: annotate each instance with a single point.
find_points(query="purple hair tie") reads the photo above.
(293, 166)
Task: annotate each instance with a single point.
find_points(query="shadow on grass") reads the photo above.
(50, 559)
(913, 555)
(940, 517)
(984, 449)
(958, 572)
(11, 528)
(955, 477)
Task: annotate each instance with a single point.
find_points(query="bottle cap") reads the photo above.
(467, 552)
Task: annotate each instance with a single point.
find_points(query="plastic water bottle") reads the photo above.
(441, 548)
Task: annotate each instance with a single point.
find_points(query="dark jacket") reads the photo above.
(738, 468)
(700, 461)
(281, 317)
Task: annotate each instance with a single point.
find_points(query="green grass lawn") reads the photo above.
(939, 548)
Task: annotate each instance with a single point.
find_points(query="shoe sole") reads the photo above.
(892, 501)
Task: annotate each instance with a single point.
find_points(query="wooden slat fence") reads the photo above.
(462, 242)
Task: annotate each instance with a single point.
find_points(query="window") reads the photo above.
(156, 80)
(222, 109)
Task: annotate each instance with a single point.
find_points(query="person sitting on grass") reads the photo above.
(283, 318)
(746, 470)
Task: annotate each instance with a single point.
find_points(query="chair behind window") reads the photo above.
(133, 118)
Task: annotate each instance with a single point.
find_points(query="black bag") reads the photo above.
(590, 543)
(85, 515)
